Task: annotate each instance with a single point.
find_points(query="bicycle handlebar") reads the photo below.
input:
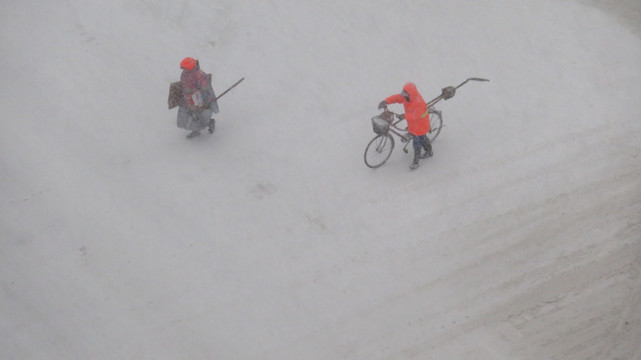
(400, 117)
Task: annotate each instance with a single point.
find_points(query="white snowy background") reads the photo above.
(271, 239)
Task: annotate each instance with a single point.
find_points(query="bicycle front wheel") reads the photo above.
(379, 150)
(436, 123)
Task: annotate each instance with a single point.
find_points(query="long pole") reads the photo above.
(231, 87)
(440, 97)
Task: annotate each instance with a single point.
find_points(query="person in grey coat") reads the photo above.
(198, 99)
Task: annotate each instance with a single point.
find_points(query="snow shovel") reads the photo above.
(450, 91)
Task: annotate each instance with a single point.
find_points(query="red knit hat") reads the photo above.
(188, 63)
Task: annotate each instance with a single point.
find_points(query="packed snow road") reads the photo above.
(270, 239)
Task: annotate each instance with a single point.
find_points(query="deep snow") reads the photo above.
(120, 239)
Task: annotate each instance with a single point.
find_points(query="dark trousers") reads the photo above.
(419, 142)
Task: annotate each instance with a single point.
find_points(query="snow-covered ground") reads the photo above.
(270, 239)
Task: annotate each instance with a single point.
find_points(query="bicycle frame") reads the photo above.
(394, 125)
(394, 129)
(386, 125)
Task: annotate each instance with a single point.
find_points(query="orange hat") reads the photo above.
(188, 63)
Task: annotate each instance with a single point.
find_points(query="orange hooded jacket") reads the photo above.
(418, 121)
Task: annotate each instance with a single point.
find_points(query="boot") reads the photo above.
(193, 134)
(417, 156)
(427, 146)
(212, 125)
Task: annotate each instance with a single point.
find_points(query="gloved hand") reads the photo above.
(382, 104)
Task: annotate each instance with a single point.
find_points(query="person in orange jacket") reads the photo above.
(418, 120)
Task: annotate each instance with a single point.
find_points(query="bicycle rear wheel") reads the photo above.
(379, 150)
(436, 123)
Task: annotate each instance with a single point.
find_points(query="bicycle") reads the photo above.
(379, 149)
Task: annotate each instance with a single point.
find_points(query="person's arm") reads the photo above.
(395, 99)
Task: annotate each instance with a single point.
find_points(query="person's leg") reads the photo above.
(416, 142)
(187, 120)
(193, 133)
(205, 120)
(200, 121)
(427, 146)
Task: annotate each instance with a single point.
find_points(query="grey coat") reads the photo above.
(189, 119)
